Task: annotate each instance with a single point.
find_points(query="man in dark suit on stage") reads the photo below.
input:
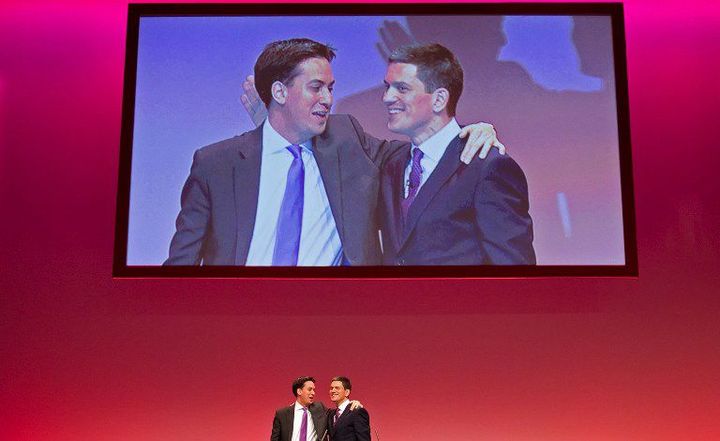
(305, 420)
(301, 189)
(436, 209)
(343, 424)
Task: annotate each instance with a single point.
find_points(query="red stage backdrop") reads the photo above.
(86, 357)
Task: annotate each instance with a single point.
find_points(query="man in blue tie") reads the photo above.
(301, 189)
(437, 210)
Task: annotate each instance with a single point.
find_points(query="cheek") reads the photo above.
(297, 104)
(412, 107)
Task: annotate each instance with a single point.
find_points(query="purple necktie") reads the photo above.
(337, 415)
(303, 425)
(289, 225)
(414, 182)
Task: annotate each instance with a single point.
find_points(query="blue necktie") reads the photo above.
(289, 226)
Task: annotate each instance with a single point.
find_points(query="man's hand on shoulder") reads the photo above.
(251, 101)
(354, 404)
(481, 137)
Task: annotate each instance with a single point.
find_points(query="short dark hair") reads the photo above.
(345, 382)
(437, 67)
(280, 59)
(299, 383)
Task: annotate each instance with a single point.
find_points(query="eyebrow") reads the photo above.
(321, 82)
(396, 83)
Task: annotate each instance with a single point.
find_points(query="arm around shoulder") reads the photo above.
(378, 150)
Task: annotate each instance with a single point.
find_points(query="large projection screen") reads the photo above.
(551, 79)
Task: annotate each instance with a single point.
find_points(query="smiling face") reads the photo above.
(306, 394)
(410, 107)
(338, 393)
(305, 100)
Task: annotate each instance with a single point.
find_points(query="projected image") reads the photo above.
(484, 140)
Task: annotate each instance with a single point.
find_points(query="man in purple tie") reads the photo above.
(437, 210)
(304, 420)
(301, 189)
(343, 424)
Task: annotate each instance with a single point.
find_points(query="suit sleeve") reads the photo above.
(501, 213)
(322, 412)
(362, 425)
(378, 150)
(275, 434)
(192, 221)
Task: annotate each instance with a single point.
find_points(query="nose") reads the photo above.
(389, 96)
(326, 97)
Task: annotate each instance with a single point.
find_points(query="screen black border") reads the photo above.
(137, 10)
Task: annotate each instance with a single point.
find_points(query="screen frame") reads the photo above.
(136, 11)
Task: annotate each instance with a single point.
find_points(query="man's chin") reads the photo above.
(319, 129)
(394, 128)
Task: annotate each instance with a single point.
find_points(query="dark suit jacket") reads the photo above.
(473, 214)
(283, 421)
(351, 426)
(219, 199)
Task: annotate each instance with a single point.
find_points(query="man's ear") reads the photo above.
(278, 92)
(440, 99)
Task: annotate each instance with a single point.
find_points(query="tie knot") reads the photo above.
(296, 150)
(304, 409)
(417, 155)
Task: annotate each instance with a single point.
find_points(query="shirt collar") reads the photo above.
(434, 147)
(299, 406)
(273, 142)
(344, 405)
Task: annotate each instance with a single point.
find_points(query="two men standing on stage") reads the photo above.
(307, 420)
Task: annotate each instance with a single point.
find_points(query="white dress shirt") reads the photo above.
(433, 149)
(319, 239)
(297, 421)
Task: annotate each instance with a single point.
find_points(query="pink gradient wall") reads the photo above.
(86, 357)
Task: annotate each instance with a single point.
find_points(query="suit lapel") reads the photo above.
(331, 422)
(344, 414)
(449, 163)
(246, 181)
(393, 193)
(331, 419)
(326, 155)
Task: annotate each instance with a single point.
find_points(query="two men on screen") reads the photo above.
(435, 209)
(302, 189)
(307, 420)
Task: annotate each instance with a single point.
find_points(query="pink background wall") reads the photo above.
(86, 357)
